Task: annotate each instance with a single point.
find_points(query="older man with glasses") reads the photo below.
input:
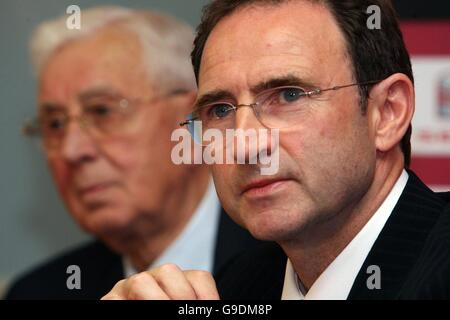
(109, 97)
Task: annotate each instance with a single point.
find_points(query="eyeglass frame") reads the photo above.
(32, 128)
(317, 91)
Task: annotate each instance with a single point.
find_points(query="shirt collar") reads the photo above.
(337, 280)
(194, 247)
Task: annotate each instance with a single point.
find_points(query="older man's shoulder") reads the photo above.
(98, 269)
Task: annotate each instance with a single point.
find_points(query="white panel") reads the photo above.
(431, 123)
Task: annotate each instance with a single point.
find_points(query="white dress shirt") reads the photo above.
(337, 280)
(194, 247)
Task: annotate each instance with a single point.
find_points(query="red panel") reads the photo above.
(434, 170)
(427, 37)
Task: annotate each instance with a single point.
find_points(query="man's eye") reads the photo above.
(290, 95)
(100, 110)
(54, 124)
(219, 111)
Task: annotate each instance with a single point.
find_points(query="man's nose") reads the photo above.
(251, 137)
(77, 145)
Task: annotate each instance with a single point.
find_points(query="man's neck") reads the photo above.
(149, 237)
(319, 245)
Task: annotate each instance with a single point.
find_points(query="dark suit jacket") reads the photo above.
(101, 268)
(412, 251)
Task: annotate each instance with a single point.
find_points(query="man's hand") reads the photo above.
(165, 283)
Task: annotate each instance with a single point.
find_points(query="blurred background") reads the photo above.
(34, 224)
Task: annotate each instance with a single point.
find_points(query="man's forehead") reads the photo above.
(106, 58)
(109, 46)
(298, 35)
(303, 17)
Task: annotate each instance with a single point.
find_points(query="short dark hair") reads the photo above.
(375, 54)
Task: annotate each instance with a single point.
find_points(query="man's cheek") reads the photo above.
(123, 154)
(222, 181)
(217, 175)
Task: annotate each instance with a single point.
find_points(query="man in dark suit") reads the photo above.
(412, 253)
(110, 95)
(351, 221)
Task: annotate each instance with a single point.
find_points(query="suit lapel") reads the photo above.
(398, 246)
(257, 274)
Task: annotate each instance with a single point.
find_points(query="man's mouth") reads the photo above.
(94, 188)
(264, 187)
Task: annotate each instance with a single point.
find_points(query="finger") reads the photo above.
(116, 293)
(143, 286)
(173, 282)
(203, 284)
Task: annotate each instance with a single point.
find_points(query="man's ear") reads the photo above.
(391, 106)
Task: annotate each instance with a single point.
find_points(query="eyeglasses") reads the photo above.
(277, 107)
(101, 117)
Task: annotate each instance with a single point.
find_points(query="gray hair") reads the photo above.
(166, 42)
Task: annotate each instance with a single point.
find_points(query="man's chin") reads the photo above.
(266, 227)
(274, 224)
(102, 217)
